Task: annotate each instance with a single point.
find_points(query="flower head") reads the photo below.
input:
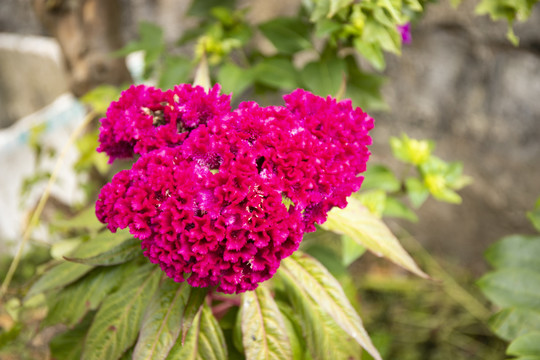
(225, 204)
(405, 31)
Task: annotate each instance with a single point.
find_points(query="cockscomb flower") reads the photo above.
(225, 205)
(405, 32)
(146, 118)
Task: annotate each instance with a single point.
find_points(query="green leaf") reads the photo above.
(294, 330)
(319, 10)
(308, 276)
(515, 251)
(372, 52)
(77, 299)
(101, 243)
(121, 253)
(176, 70)
(234, 79)
(68, 345)
(337, 5)
(204, 340)
(101, 97)
(364, 89)
(395, 208)
(277, 72)
(118, 320)
(526, 345)
(380, 177)
(288, 35)
(264, 334)
(204, 8)
(413, 151)
(172, 309)
(373, 200)
(512, 322)
(324, 77)
(57, 277)
(326, 27)
(534, 216)
(417, 191)
(512, 287)
(351, 250)
(86, 219)
(368, 230)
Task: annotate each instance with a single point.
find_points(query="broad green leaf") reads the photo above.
(63, 247)
(512, 287)
(288, 35)
(73, 302)
(417, 191)
(121, 253)
(526, 345)
(204, 8)
(326, 27)
(57, 277)
(395, 208)
(277, 72)
(358, 223)
(294, 330)
(204, 340)
(515, 251)
(372, 52)
(68, 345)
(176, 70)
(324, 77)
(101, 243)
(328, 319)
(234, 79)
(264, 334)
(319, 9)
(351, 250)
(380, 177)
(118, 320)
(172, 309)
(150, 41)
(512, 322)
(310, 278)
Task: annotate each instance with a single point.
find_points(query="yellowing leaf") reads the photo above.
(368, 230)
(264, 333)
(304, 275)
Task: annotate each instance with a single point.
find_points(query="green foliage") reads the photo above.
(509, 10)
(513, 287)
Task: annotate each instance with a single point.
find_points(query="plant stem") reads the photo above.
(41, 204)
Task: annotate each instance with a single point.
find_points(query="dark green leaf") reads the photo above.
(324, 77)
(364, 89)
(372, 52)
(77, 299)
(204, 340)
(316, 286)
(86, 219)
(151, 42)
(512, 322)
(264, 334)
(512, 287)
(68, 345)
(118, 320)
(121, 253)
(515, 251)
(288, 35)
(57, 277)
(278, 73)
(172, 309)
(9, 336)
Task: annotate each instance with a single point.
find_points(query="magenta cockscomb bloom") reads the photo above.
(146, 118)
(234, 197)
(405, 31)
